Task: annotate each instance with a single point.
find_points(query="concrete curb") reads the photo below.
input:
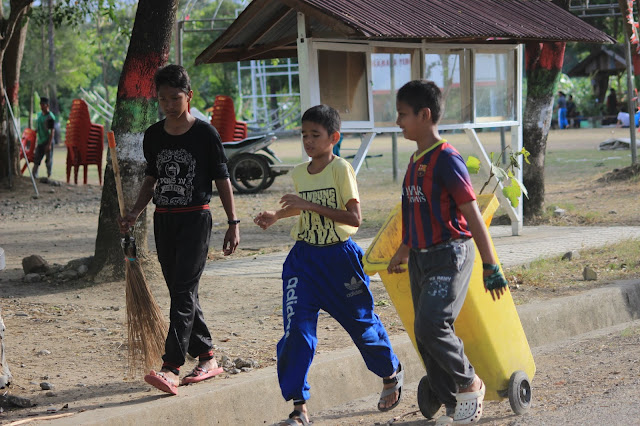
(556, 319)
(254, 398)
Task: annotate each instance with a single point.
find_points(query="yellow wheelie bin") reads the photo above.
(493, 337)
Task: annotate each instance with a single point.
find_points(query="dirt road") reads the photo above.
(72, 335)
(591, 379)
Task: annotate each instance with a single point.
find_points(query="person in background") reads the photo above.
(45, 131)
(612, 103)
(562, 110)
(623, 118)
(572, 113)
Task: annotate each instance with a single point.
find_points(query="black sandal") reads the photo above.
(398, 379)
(295, 418)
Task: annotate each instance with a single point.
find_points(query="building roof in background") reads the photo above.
(268, 28)
(608, 60)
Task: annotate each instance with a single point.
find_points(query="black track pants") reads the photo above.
(182, 242)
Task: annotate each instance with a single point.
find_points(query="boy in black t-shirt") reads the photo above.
(183, 156)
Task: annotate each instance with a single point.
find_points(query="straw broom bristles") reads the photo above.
(146, 326)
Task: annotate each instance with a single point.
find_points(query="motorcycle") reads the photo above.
(253, 166)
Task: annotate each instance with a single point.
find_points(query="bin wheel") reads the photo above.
(249, 173)
(519, 392)
(427, 400)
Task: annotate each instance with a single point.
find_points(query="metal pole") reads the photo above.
(179, 25)
(631, 103)
(24, 152)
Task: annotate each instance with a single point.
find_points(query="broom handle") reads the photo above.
(116, 171)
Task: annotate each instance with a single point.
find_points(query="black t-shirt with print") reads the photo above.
(184, 165)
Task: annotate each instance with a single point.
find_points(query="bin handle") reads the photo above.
(373, 268)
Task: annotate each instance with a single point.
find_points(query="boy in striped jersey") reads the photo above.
(439, 218)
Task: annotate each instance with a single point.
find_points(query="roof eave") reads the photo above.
(343, 27)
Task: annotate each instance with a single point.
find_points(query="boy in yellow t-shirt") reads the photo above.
(324, 268)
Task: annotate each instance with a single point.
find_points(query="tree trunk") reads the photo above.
(11, 48)
(543, 63)
(12, 64)
(53, 92)
(136, 109)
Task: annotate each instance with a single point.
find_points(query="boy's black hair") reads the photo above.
(44, 100)
(325, 116)
(420, 94)
(173, 76)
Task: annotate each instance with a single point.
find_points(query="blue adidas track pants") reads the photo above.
(330, 278)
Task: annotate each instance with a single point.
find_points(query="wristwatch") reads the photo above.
(233, 222)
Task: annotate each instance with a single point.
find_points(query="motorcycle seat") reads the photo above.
(244, 142)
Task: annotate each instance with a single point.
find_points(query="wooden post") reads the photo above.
(303, 70)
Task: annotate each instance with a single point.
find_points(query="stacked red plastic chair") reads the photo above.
(223, 118)
(77, 130)
(28, 141)
(92, 151)
(84, 141)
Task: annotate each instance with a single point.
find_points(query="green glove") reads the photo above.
(496, 280)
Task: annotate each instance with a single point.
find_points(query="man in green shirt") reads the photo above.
(45, 134)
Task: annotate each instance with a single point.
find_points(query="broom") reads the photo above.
(146, 326)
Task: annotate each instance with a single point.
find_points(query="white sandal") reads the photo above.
(469, 406)
(444, 420)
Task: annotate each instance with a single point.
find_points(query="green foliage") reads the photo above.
(583, 96)
(208, 80)
(91, 39)
(90, 49)
(473, 164)
(513, 192)
(512, 187)
(73, 12)
(630, 332)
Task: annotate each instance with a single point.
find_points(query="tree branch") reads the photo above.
(18, 8)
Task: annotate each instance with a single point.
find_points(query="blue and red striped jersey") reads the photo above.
(436, 183)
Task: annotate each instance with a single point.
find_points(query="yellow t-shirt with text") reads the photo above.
(333, 187)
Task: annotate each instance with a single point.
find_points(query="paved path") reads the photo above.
(534, 243)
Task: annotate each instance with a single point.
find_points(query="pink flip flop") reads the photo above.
(160, 381)
(199, 374)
